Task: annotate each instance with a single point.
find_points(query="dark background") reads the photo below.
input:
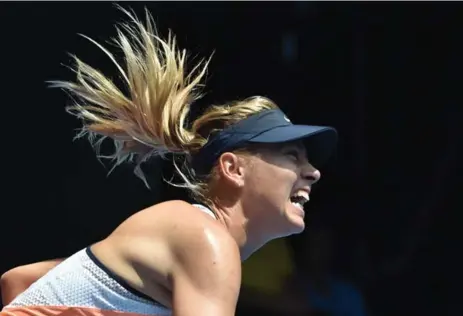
(386, 75)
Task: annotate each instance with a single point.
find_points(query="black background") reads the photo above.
(386, 75)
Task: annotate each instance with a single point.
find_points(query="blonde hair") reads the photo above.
(152, 118)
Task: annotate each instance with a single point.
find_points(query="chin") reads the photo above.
(292, 228)
(296, 220)
(287, 226)
(297, 226)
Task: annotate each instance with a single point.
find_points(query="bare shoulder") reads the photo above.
(165, 216)
(191, 232)
(178, 255)
(184, 233)
(205, 275)
(195, 240)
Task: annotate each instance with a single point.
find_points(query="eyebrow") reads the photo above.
(298, 145)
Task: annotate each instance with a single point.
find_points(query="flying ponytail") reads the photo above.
(150, 119)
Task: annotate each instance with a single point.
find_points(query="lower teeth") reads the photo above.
(297, 204)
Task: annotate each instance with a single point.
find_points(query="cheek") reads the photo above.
(276, 183)
(270, 182)
(262, 174)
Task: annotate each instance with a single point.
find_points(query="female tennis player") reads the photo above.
(247, 166)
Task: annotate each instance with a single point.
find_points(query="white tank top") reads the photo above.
(205, 210)
(82, 285)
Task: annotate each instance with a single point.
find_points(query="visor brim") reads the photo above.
(320, 141)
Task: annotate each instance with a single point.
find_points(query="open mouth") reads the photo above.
(299, 199)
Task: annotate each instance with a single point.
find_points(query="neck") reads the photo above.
(234, 220)
(249, 248)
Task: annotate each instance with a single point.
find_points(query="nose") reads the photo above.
(310, 173)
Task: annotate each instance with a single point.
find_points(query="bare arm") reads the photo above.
(206, 276)
(17, 280)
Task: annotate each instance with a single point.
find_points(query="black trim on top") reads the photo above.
(118, 279)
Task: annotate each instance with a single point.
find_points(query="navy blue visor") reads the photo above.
(268, 127)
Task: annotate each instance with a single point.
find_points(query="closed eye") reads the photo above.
(293, 153)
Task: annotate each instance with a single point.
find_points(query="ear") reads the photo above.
(231, 167)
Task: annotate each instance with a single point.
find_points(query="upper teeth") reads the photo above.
(302, 194)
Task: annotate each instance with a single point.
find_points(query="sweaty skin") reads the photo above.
(190, 261)
(181, 261)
